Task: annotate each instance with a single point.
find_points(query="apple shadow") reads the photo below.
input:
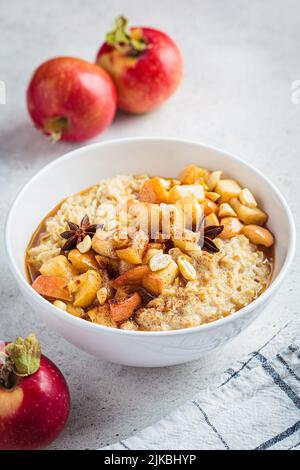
(122, 120)
(24, 145)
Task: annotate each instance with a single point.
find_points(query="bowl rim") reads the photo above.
(64, 316)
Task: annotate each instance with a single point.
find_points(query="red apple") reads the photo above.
(145, 64)
(34, 397)
(71, 99)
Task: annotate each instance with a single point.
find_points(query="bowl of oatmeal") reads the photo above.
(149, 252)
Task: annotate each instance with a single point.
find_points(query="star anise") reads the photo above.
(210, 233)
(77, 232)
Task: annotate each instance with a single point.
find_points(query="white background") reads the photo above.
(241, 58)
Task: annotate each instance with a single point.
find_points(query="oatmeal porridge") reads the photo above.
(151, 253)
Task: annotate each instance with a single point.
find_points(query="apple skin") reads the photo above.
(144, 82)
(74, 89)
(35, 411)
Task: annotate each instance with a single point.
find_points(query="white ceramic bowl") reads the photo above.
(85, 167)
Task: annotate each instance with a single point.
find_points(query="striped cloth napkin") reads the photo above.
(255, 406)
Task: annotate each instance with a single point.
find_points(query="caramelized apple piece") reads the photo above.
(232, 227)
(145, 216)
(192, 211)
(75, 311)
(132, 277)
(179, 192)
(248, 215)
(227, 189)
(213, 179)
(122, 309)
(247, 198)
(52, 286)
(82, 261)
(121, 239)
(212, 196)
(134, 253)
(225, 210)
(166, 182)
(185, 245)
(188, 242)
(191, 174)
(103, 243)
(172, 220)
(156, 282)
(211, 219)
(129, 255)
(58, 266)
(88, 285)
(210, 207)
(258, 235)
(154, 191)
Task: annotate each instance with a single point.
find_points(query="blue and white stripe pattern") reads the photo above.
(256, 406)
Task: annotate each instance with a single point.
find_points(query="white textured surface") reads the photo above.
(240, 60)
(255, 406)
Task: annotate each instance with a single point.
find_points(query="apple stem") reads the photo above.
(55, 126)
(21, 359)
(126, 41)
